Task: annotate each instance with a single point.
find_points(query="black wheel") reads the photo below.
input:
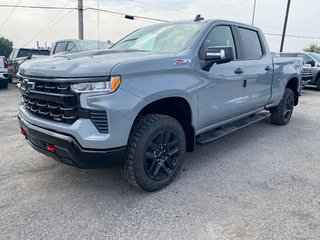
(318, 84)
(4, 83)
(281, 114)
(156, 150)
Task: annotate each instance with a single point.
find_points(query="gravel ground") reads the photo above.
(261, 182)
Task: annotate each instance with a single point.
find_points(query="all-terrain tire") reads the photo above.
(4, 83)
(281, 114)
(318, 83)
(155, 152)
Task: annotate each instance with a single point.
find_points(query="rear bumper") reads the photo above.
(68, 150)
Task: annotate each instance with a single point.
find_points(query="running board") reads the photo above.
(229, 128)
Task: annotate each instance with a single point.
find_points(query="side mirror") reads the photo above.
(311, 62)
(219, 54)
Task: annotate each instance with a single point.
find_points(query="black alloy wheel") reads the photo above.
(155, 152)
(162, 155)
(281, 114)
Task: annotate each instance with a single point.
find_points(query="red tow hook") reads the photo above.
(23, 132)
(51, 148)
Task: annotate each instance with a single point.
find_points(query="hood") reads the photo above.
(83, 64)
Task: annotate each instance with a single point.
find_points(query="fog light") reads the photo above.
(51, 147)
(22, 131)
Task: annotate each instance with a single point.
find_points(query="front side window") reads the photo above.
(220, 36)
(316, 56)
(251, 43)
(305, 58)
(164, 38)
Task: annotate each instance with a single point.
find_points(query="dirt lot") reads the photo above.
(262, 182)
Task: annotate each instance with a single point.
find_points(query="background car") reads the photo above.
(75, 45)
(20, 55)
(311, 70)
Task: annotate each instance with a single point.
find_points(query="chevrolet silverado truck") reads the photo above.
(153, 96)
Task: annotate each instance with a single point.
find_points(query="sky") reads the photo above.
(27, 26)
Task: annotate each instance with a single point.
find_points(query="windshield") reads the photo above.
(91, 45)
(316, 56)
(166, 38)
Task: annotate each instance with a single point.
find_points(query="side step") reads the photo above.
(232, 127)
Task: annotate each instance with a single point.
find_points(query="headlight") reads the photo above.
(107, 87)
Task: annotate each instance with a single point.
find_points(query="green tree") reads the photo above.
(313, 47)
(5, 46)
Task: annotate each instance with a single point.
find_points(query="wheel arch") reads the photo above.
(178, 108)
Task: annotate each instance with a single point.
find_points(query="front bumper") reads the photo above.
(68, 150)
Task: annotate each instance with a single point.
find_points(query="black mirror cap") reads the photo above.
(311, 62)
(219, 54)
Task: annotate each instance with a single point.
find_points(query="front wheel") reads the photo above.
(156, 150)
(281, 114)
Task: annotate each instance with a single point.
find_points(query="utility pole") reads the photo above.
(80, 18)
(254, 12)
(285, 25)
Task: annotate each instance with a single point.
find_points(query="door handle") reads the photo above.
(239, 71)
(245, 83)
(268, 68)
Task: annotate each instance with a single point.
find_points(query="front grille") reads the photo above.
(306, 74)
(100, 120)
(55, 101)
(51, 110)
(50, 100)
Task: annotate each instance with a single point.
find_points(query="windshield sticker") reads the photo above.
(182, 61)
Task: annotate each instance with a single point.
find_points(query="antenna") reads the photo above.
(198, 18)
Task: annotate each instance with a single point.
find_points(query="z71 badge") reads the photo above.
(182, 61)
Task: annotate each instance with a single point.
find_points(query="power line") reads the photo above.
(88, 8)
(34, 7)
(123, 14)
(14, 8)
(293, 36)
(167, 8)
(50, 24)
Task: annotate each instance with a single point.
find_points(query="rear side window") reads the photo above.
(251, 43)
(60, 47)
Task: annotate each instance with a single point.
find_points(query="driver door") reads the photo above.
(221, 91)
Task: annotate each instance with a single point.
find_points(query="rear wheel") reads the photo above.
(4, 83)
(156, 150)
(281, 114)
(318, 83)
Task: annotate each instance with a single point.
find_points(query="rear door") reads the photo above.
(221, 92)
(258, 67)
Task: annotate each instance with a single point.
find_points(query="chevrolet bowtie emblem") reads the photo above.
(27, 85)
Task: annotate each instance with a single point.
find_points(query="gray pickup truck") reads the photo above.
(153, 96)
